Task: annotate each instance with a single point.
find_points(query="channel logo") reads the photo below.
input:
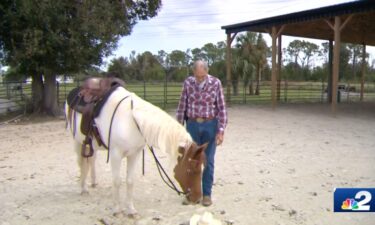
(354, 200)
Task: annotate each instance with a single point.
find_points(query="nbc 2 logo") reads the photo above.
(354, 200)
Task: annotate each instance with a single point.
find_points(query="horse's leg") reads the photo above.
(93, 169)
(116, 158)
(84, 168)
(131, 164)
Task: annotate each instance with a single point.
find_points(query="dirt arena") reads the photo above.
(275, 168)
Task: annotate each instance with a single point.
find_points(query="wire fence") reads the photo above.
(15, 96)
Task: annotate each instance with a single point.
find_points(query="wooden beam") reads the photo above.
(329, 24)
(330, 71)
(279, 62)
(363, 71)
(281, 30)
(336, 62)
(346, 21)
(274, 69)
(230, 39)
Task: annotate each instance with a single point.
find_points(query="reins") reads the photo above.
(161, 171)
(110, 126)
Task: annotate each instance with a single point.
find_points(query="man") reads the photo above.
(202, 105)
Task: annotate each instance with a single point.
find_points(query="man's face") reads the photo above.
(199, 71)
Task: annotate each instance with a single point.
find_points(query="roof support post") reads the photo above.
(337, 28)
(363, 71)
(330, 71)
(274, 34)
(230, 39)
(279, 63)
(274, 69)
(336, 62)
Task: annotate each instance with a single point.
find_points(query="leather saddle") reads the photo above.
(89, 99)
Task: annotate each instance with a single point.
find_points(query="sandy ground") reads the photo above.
(275, 167)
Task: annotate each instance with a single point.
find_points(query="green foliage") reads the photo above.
(66, 36)
(45, 37)
(250, 62)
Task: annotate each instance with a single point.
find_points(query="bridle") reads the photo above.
(163, 173)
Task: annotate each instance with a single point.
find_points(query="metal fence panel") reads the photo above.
(14, 96)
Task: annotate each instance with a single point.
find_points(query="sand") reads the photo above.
(275, 167)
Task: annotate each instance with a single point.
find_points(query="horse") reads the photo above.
(126, 125)
(85, 164)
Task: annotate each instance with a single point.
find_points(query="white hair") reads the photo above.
(199, 63)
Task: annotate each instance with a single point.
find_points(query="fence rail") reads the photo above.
(14, 96)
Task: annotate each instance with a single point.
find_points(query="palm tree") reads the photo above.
(260, 59)
(252, 53)
(243, 66)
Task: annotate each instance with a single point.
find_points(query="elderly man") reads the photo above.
(202, 105)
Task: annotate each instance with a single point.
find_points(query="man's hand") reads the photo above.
(219, 138)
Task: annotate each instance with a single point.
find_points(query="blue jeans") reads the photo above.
(203, 133)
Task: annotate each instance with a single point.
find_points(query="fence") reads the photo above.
(15, 96)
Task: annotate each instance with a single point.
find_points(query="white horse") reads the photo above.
(137, 123)
(85, 165)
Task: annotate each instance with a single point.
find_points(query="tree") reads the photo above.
(356, 59)
(149, 66)
(198, 54)
(293, 51)
(179, 65)
(260, 59)
(45, 38)
(211, 53)
(300, 54)
(121, 66)
(251, 55)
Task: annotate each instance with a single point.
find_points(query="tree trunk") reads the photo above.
(235, 87)
(37, 92)
(257, 91)
(50, 98)
(251, 87)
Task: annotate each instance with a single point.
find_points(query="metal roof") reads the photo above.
(311, 23)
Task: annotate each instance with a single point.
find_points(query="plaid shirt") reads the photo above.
(205, 103)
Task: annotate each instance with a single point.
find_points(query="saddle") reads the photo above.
(89, 99)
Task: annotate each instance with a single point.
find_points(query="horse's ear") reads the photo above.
(201, 149)
(181, 150)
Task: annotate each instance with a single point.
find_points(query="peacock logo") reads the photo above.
(354, 200)
(349, 204)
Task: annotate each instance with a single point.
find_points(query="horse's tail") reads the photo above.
(67, 110)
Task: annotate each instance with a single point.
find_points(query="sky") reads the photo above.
(188, 24)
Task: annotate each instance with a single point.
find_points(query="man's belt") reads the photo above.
(201, 119)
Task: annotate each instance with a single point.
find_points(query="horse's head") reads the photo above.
(188, 171)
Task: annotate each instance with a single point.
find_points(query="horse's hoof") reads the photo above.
(119, 214)
(133, 216)
(84, 192)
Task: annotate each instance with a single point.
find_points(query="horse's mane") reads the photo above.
(160, 129)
